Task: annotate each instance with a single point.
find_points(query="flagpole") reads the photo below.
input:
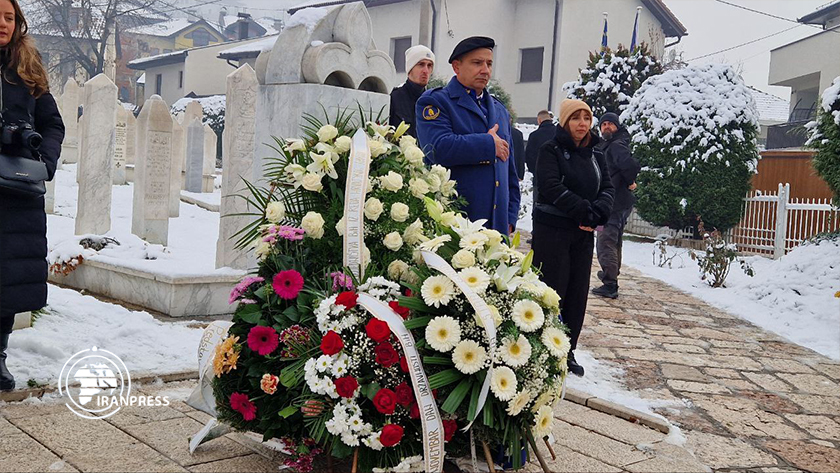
(604, 44)
(635, 30)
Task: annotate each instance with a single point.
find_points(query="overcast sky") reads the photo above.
(713, 26)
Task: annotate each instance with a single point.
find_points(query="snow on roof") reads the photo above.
(142, 78)
(250, 49)
(164, 28)
(308, 17)
(316, 3)
(173, 56)
(770, 107)
(268, 24)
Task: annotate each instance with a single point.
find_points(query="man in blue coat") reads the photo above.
(463, 128)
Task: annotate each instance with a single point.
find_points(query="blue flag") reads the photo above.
(604, 36)
(635, 28)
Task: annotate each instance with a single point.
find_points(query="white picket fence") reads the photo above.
(771, 224)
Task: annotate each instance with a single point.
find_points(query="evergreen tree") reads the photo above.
(694, 132)
(825, 139)
(611, 79)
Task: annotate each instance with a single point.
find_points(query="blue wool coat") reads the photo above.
(452, 129)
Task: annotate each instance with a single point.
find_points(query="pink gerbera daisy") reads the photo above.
(240, 403)
(263, 340)
(287, 284)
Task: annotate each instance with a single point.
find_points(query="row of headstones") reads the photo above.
(165, 155)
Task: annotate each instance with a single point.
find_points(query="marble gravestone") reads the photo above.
(195, 156)
(69, 105)
(191, 111)
(130, 145)
(178, 151)
(238, 157)
(152, 172)
(80, 157)
(120, 146)
(97, 151)
(209, 164)
(333, 65)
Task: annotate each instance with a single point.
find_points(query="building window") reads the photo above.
(180, 79)
(531, 65)
(398, 48)
(158, 83)
(201, 37)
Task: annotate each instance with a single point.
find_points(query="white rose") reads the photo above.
(373, 208)
(377, 148)
(418, 187)
(391, 181)
(440, 172)
(327, 132)
(448, 188)
(393, 241)
(295, 145)
(434, 182)
(262, 248)
(313, 225)
(463, 259)
(275, 211)
(413, 234)
(342, 144)
(312, 182)
(365, 256)
(493, 236)
(396, 269)
(399, 212)
(407, 141)
(414, 156)
(339, 227)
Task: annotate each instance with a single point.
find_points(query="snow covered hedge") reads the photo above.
(609, 81)
(825, 138)
(213, 107)
(694, 131)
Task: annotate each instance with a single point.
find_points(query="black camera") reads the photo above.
(20, 133)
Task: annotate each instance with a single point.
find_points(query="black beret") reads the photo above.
(471, 44)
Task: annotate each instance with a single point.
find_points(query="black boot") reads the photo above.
(607, 290)
(7, 381)
(574, 367)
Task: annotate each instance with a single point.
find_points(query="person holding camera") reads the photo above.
(32, 132)
(573, 195)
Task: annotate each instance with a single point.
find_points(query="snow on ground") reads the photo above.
(792, 297)
(526, 204)
(192, 236)
(76, 322)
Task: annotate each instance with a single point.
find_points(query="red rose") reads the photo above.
(396, 307)
(404, 364)
(347, 299)
(405, 395)
(408, 293)
(346, 386)
(331, 343)
(377, 330)
(414, 411)
(391, 435)
(385, 401)
(449, 428)
(386, 355)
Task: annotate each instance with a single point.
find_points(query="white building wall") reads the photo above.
(206, 74)
(806, 64)
(170, 92)
(397, 20)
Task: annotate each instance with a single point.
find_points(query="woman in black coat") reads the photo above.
(23, 222)
(573, 196)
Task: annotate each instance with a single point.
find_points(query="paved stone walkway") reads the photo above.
(46, 436)
(753, 400)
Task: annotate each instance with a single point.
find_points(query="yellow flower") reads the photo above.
(227, 354)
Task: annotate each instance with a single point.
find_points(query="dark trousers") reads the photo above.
(565, 258)
(609, 246)
(7, 321)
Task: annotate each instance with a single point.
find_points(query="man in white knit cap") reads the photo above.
(419, 62)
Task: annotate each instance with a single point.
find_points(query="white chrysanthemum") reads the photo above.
(544, 422)
(519, 402)
(475, 278)
(473, 241)
(437, 291)
(528, 315)
(515, 352)
(435, 243)
(556, 341)
(463, 259)
(469, 356)
(443, 333)
(503, 383)
(543, 400)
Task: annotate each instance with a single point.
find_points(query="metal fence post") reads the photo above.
(781, 221)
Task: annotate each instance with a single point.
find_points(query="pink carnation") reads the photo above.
(243, 286)
(341, 280)
(287, 232)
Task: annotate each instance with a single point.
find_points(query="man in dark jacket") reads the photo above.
(419, 62)
(518, 151)
(543, 133)
(623, 171)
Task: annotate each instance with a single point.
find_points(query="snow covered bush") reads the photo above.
(213, 107)
(694, 132)
(717, 260)
(825, 138)
(609, 81)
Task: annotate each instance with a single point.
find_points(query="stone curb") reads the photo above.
(617, 410)
(22, 394)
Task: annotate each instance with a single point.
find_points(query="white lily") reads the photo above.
(322, 164)
(505, 278)
(463, 226)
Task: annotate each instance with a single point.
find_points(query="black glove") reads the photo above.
(592, 219)
(602, 209)
(580, 210)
